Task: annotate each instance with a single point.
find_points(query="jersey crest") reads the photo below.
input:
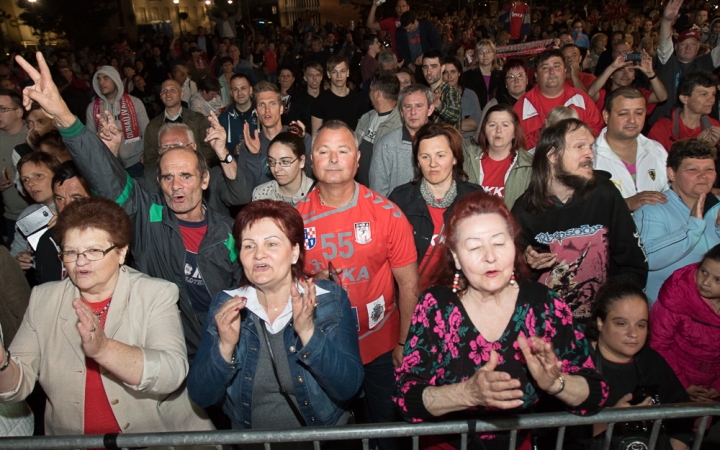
(310, 239)
(362, 232)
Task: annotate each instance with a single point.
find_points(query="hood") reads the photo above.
(679, 295)
(111, 72)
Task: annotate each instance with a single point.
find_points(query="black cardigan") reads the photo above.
(408, 198)
(473, 79)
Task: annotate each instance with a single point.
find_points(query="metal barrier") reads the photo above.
(367, 432)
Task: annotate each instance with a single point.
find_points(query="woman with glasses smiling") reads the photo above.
(286, 160)
(106, 343)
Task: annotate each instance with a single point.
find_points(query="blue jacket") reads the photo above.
(673, 239)
(327, 372)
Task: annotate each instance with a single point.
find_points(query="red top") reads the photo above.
(436, 214)
(516, 19)
(270, 63)
(494, 174)
(533, 108)
(390, 26)
(662, 131)
(192, 237)
(367, 238)
(99, 416)
(585, 78)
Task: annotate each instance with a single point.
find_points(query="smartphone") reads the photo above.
(333, 276)
(541, 248)
(635, 56)
(35, 221)
(644, 391)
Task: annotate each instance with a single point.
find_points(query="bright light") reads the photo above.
(207, 2)
(32, 1)
(176, 1)
(229, 2)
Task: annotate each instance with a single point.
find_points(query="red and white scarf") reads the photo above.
(524, 49)
(127, 116)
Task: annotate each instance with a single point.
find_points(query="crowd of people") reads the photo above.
(420, 218)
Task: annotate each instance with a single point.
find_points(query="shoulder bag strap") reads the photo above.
(283, 392)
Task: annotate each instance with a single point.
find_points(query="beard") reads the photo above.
(580, 185)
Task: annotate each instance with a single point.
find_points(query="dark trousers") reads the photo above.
(377, 406)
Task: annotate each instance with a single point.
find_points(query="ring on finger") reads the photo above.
(222, 315)
(94, 329)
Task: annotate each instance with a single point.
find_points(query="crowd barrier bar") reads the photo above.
(366, 432)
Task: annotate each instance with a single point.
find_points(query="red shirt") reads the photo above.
(436, 214)
(662, 131)
(494, 172)
(270, 63)
(649, 107)
(516, 19)
(585, 78)
(98, 415)
(533, 108)
(367, 238)
(390, 26)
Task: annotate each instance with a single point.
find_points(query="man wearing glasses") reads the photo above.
(169, 229)
(12, 133)
(253, 152)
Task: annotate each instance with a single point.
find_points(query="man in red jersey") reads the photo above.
(549, 92)
(369, 240)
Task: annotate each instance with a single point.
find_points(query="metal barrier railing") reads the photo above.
(366, 432)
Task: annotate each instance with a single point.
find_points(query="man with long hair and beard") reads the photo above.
(577, 230)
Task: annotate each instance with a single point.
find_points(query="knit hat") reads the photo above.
(692, 33)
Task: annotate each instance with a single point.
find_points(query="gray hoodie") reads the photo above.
(130, 152)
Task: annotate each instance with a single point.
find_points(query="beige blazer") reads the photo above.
(143, 313)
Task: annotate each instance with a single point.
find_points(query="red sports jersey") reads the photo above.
(366, 238)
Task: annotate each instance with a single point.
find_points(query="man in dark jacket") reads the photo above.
(414, 38)
(577, 230)
(176, 236)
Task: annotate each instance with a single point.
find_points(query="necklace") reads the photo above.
(102, 311)
(283, 305)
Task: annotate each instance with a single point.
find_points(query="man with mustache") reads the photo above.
(577, 230)
(636, 164)
(549, 92)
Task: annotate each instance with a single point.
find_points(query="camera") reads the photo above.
(634, 56)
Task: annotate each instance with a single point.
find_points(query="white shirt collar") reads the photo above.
(253, 304)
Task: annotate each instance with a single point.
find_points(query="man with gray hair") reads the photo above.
(376, 123)
(392, 161)
(176, 236)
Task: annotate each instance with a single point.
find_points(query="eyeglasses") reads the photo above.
(93, 254)
(167, 147)
(285, 162)
(4, 110)
(518, 77)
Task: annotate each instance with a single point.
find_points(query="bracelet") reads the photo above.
(401, 344)
(652, 77)
(7, 360)
(562, 386)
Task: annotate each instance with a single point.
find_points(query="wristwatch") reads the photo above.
(227, 159)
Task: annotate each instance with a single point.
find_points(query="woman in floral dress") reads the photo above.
(485, 339)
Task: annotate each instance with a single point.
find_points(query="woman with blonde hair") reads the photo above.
(484, 78)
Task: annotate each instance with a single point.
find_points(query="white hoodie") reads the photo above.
(130, 152)
(650, 166)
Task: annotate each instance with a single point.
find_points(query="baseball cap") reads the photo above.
(692, 33)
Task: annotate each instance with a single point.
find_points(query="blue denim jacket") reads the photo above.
(327, 372)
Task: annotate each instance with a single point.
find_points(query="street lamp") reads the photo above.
(35, 14)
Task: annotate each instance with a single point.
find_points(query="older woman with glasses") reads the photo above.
(106, 344)
(286, 160)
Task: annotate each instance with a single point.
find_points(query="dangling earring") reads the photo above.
(512, 279)
(456, 280)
